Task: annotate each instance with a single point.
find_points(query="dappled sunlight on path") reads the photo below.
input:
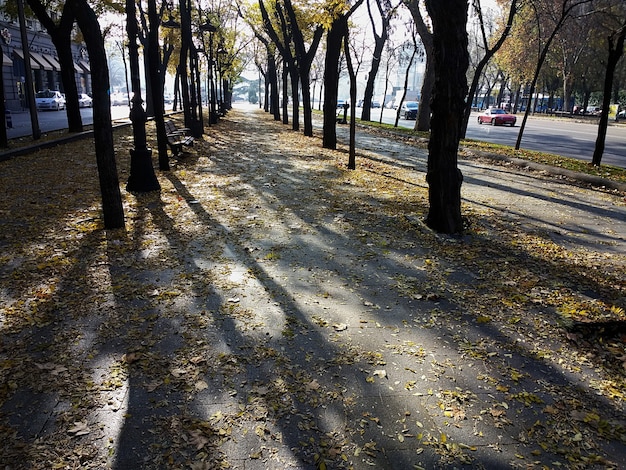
(271, 309)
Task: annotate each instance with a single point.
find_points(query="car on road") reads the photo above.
(409, 109)
(49, 100)
(84, 100)
(497, 117)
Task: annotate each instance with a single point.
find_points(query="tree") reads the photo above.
(334, 37)
(337, 25)
(386, 11)
(156, 80)
(304, 59)
(616, 19)
(103, 131)
(61, 36)
(282, 38)
(252, 16)
(4, 141)
(413, 48)
(451, 60)
(550, 16)
(352, 73)
(489, 53)
(422, 123)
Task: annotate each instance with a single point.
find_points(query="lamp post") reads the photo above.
(141, 177)
(208, 27)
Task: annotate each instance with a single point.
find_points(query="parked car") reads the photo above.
(84, 100)
(375, 104)
(409, 109)
(49, 99)
(497, 117)
(119, 99)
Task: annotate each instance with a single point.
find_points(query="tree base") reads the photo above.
(142, 178)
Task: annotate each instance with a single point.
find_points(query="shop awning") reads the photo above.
(53, 61)
(41, 61)
(85, 65)
(78, 68)
(6, 60)
(20, 55)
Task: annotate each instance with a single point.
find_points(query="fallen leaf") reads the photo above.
(80, 429)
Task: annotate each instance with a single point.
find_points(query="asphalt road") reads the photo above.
(565, 137)
(55, 120)
(558, 136)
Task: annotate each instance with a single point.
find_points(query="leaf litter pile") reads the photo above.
(271, 309)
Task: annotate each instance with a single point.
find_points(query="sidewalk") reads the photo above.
(271, 309)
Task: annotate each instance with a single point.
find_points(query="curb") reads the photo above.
(593, 180)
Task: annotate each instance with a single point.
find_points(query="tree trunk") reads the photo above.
(304, 59)
(451, 63)
(386, 12)
(185, 20)
(273, 79)
(156, 84)
(352, 74)
(306, 105)
(616, 50)
(103, 131)
(295, 98)
(285, 94)
(406, 84)
(489, 53)
(567, 8)
(335, 35)
(4, 141)
(64, 51)
(61, 36)
(422, 122)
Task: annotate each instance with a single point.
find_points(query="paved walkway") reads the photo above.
(270, 309)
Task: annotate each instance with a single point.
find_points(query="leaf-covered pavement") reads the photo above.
(271, 309)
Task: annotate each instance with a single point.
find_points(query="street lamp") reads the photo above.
(208, 27)
(141, 178)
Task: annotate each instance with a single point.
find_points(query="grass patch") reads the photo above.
(581, 166)
(605, 171)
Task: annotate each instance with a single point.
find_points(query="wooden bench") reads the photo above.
(177, 138)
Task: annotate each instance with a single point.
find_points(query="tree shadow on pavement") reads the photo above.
(271, 310)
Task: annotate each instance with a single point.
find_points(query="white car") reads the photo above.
(119, 99)
(49, 99)
(84, 101)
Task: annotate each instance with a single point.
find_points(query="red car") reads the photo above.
(497, 117)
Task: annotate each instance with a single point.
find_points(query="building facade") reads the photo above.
(46, 71)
